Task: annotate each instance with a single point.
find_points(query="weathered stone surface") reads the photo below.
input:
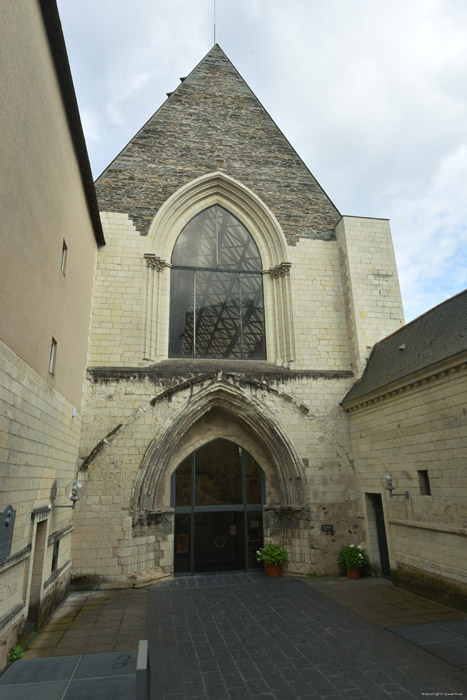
(214, 122)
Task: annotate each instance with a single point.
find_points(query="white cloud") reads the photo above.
(371, 94)
(432, 236)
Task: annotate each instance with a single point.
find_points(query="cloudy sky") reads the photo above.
(372, 95)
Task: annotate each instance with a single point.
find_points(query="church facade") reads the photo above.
(234, 308)
(248, 377)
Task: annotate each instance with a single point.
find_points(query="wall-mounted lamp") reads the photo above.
(390, 485)
(74, 491)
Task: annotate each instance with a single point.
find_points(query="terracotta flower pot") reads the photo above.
(273, 570)
(353, 573)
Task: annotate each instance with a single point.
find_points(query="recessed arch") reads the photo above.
(217, 496)
(184, 204)
(274, 451)
(218, 188)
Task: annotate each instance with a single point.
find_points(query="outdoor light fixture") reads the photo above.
(74, 491)
(389, 484)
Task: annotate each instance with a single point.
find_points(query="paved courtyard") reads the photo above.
(243, 636)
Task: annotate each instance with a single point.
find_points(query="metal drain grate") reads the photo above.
(91, 677)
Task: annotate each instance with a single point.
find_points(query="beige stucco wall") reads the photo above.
(42, 203)
(420, 425)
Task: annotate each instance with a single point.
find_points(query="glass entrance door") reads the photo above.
(217, 494)
(219, 543)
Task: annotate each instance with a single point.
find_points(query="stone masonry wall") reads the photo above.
(39, 442)
(122, 326)
(422, 426)
(114, 540)
(371, 284)
(213, 122)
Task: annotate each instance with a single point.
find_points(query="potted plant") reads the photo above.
(352, 558)
(273, 556)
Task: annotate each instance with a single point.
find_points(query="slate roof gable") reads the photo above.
(213, 122)
(437, 335)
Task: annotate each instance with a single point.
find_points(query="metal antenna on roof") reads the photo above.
(214, 22)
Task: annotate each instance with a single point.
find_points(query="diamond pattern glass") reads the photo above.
(217, 308)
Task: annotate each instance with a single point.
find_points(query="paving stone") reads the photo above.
(453, 652)
(295, 657)
(424, 634)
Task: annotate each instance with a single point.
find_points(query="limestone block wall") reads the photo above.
(117, 331)
(131, 300)
(371, 284)
(137, 429)
(420, 426)
(39, 440)
(344, 296)
(320, 327)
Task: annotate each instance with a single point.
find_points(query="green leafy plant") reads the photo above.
(312, 574)
(16, 653)
(272, 554)
(352, 557)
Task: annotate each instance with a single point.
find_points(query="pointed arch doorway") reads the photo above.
(217, 493)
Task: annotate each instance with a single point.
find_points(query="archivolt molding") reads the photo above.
(175, 213)
(261, 424)
(206, 392)
(204, 192)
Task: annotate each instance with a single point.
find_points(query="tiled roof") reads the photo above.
(437, 335)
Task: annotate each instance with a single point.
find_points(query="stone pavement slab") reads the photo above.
(254, 643)
(378, 600)
(93, 623)
(247, 636)
(447, 640)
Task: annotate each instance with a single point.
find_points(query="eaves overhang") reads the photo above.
(423, 378)
(59, 55)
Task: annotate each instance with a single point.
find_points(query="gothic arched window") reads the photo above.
(216, 294)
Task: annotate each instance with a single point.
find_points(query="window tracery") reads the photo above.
(216, 296)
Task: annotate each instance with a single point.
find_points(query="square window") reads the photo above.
(53, 356)
(424, 482)
(64, 257)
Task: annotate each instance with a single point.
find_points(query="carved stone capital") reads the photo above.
(280, 270)
(154, 262)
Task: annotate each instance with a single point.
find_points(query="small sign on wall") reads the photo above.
(328, 529)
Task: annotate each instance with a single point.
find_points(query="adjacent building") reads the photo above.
(50, 231)
(408, 419)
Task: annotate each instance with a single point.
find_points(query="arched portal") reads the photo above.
(242, 415)
(217, 495)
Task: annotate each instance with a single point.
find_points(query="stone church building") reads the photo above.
(247, 374)
(234, 307)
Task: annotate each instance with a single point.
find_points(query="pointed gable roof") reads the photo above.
(214, 122)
